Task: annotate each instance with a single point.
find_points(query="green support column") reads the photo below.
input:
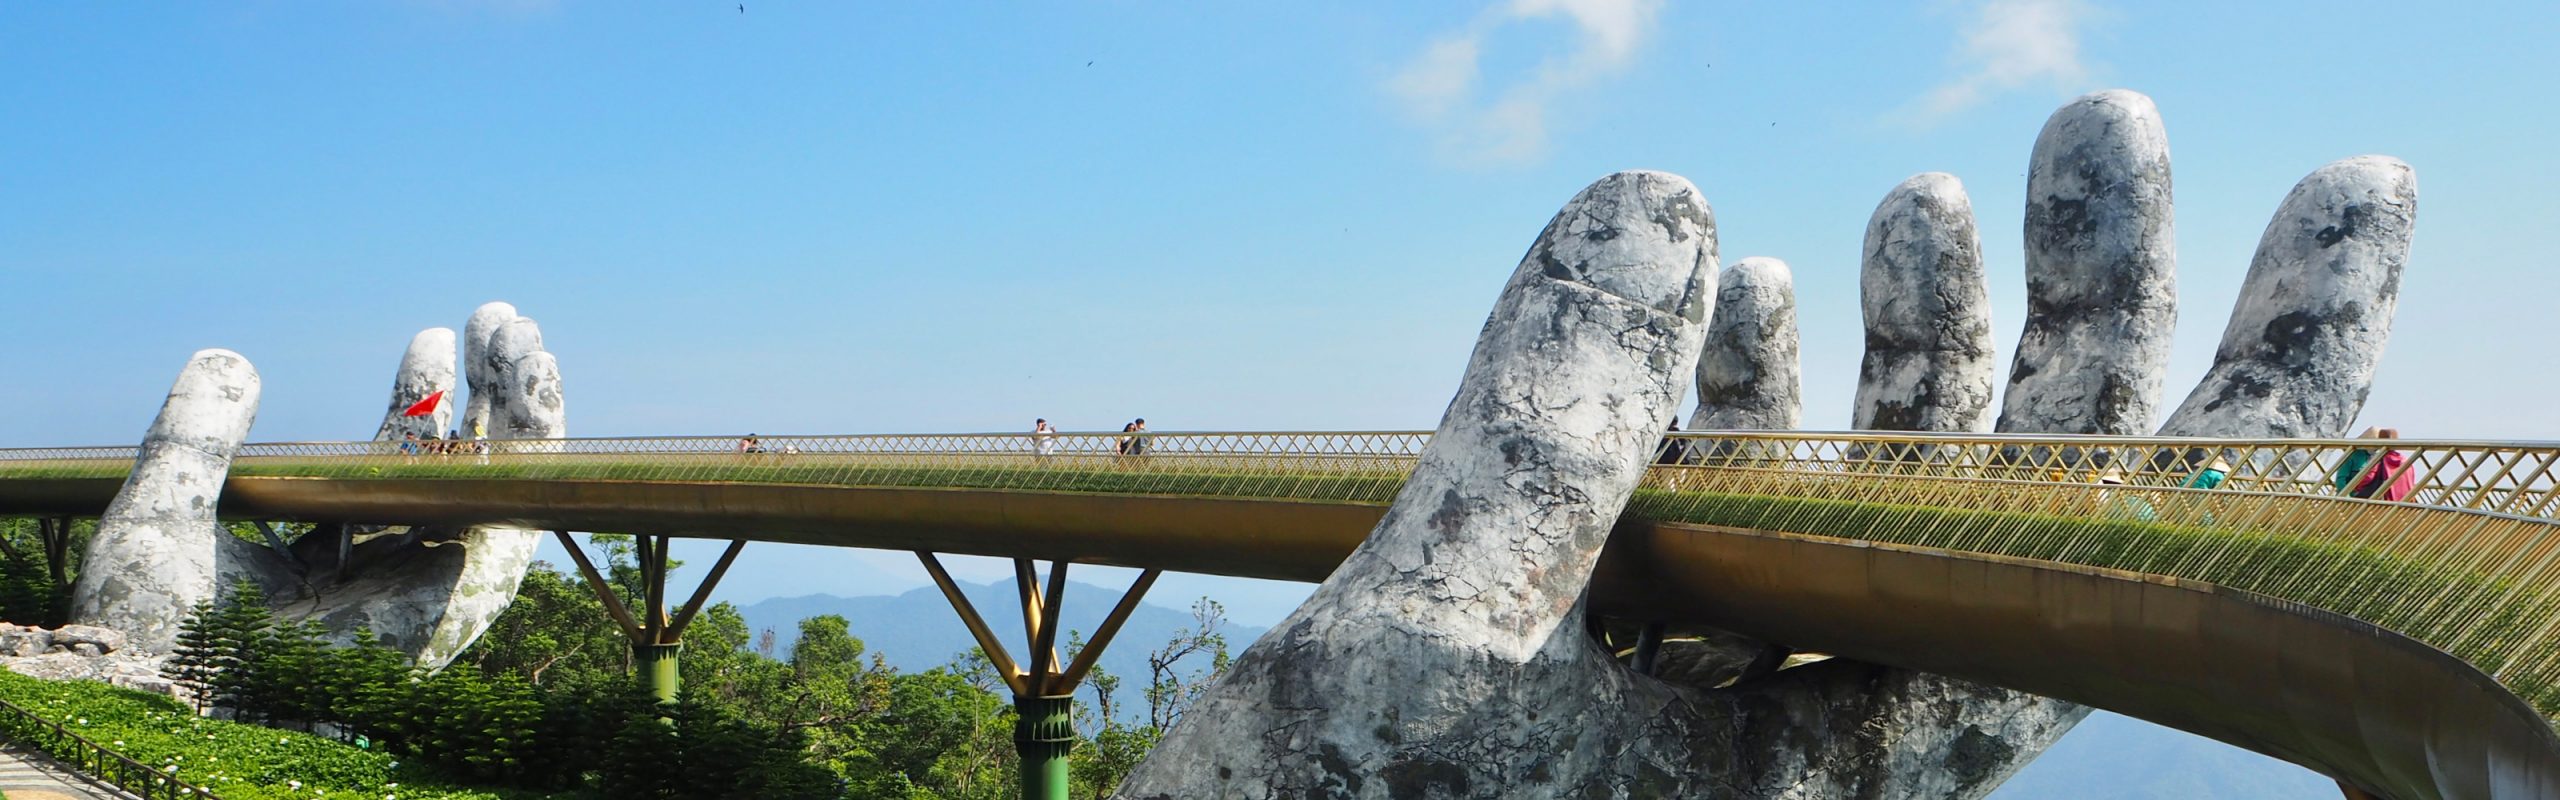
(1043, 731)
(1044, 727)
(658, 663)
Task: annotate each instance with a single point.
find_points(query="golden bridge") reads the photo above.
(2410, 647)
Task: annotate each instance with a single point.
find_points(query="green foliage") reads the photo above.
(555, 631)
(236, 761)
(39, 559)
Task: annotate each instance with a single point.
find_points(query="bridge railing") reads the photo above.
(2463, 557)
(2512, 478)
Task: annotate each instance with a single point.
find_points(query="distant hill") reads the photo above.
(2113, 757)
(917, 630)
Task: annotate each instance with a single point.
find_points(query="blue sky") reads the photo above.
(858, 217)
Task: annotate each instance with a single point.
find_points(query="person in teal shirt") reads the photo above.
(2125, 505)
(2211, 476)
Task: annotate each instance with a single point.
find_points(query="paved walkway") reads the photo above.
(29, 775)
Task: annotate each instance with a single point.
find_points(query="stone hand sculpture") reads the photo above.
(158, 550)
(1441, 659)
(430, 591)
(1446, 657)
(427, 592)
(1748, 374)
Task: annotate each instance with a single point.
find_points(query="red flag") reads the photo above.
(425, 407)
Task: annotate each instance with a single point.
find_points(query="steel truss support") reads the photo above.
(1043, 691)
(656, 637)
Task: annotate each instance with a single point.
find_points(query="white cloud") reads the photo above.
(1442, 87)
(2010, 44)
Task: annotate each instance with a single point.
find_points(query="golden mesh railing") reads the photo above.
(2461, 556)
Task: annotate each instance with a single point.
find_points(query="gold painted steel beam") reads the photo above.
(604, 591)
(702, 594)
(653, 586)
(1044, 653)
(987, 641)
(1026, 583)
(1092, 651)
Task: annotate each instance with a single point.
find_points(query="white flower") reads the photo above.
(119, 742)
(294, 784)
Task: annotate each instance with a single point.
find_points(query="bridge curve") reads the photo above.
(2399, 646)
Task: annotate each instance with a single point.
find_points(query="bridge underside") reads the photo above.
(2363, 704)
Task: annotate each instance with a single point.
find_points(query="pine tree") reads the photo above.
(193, 661)
(236, 632)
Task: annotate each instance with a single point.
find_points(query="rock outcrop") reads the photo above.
(427, 368)
(2298, 356)
(1748, 371)
(2102, 289)
(480, 369)
(1929, 355)
(158, 549)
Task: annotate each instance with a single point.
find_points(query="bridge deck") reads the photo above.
(2407, 646)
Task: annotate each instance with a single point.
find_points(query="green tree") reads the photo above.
(554, 630)
(195, 657)
(39, 561)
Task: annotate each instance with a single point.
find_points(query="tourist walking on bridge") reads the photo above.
(2387, 477)
(1044, 438)
(1133, 441)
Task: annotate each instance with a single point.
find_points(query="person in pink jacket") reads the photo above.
(2385, 477)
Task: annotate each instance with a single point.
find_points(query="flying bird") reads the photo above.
(742, 8)
(1088, 63)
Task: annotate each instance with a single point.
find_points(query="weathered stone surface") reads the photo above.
(1843, 729)
(2308, 330)
(535, 408)
(479, 369)
(1884, 732)
(108, 639)
(87, 649)
(131, 670)
(1929, 357)
(515, 340)
(427, 368)
(2102, 293)
(1445, 658)
(22, 643)
(1747, 372)
(158, 550)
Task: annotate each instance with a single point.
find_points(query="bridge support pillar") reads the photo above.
(657, 665)
(657, 639)
(1044, 730)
